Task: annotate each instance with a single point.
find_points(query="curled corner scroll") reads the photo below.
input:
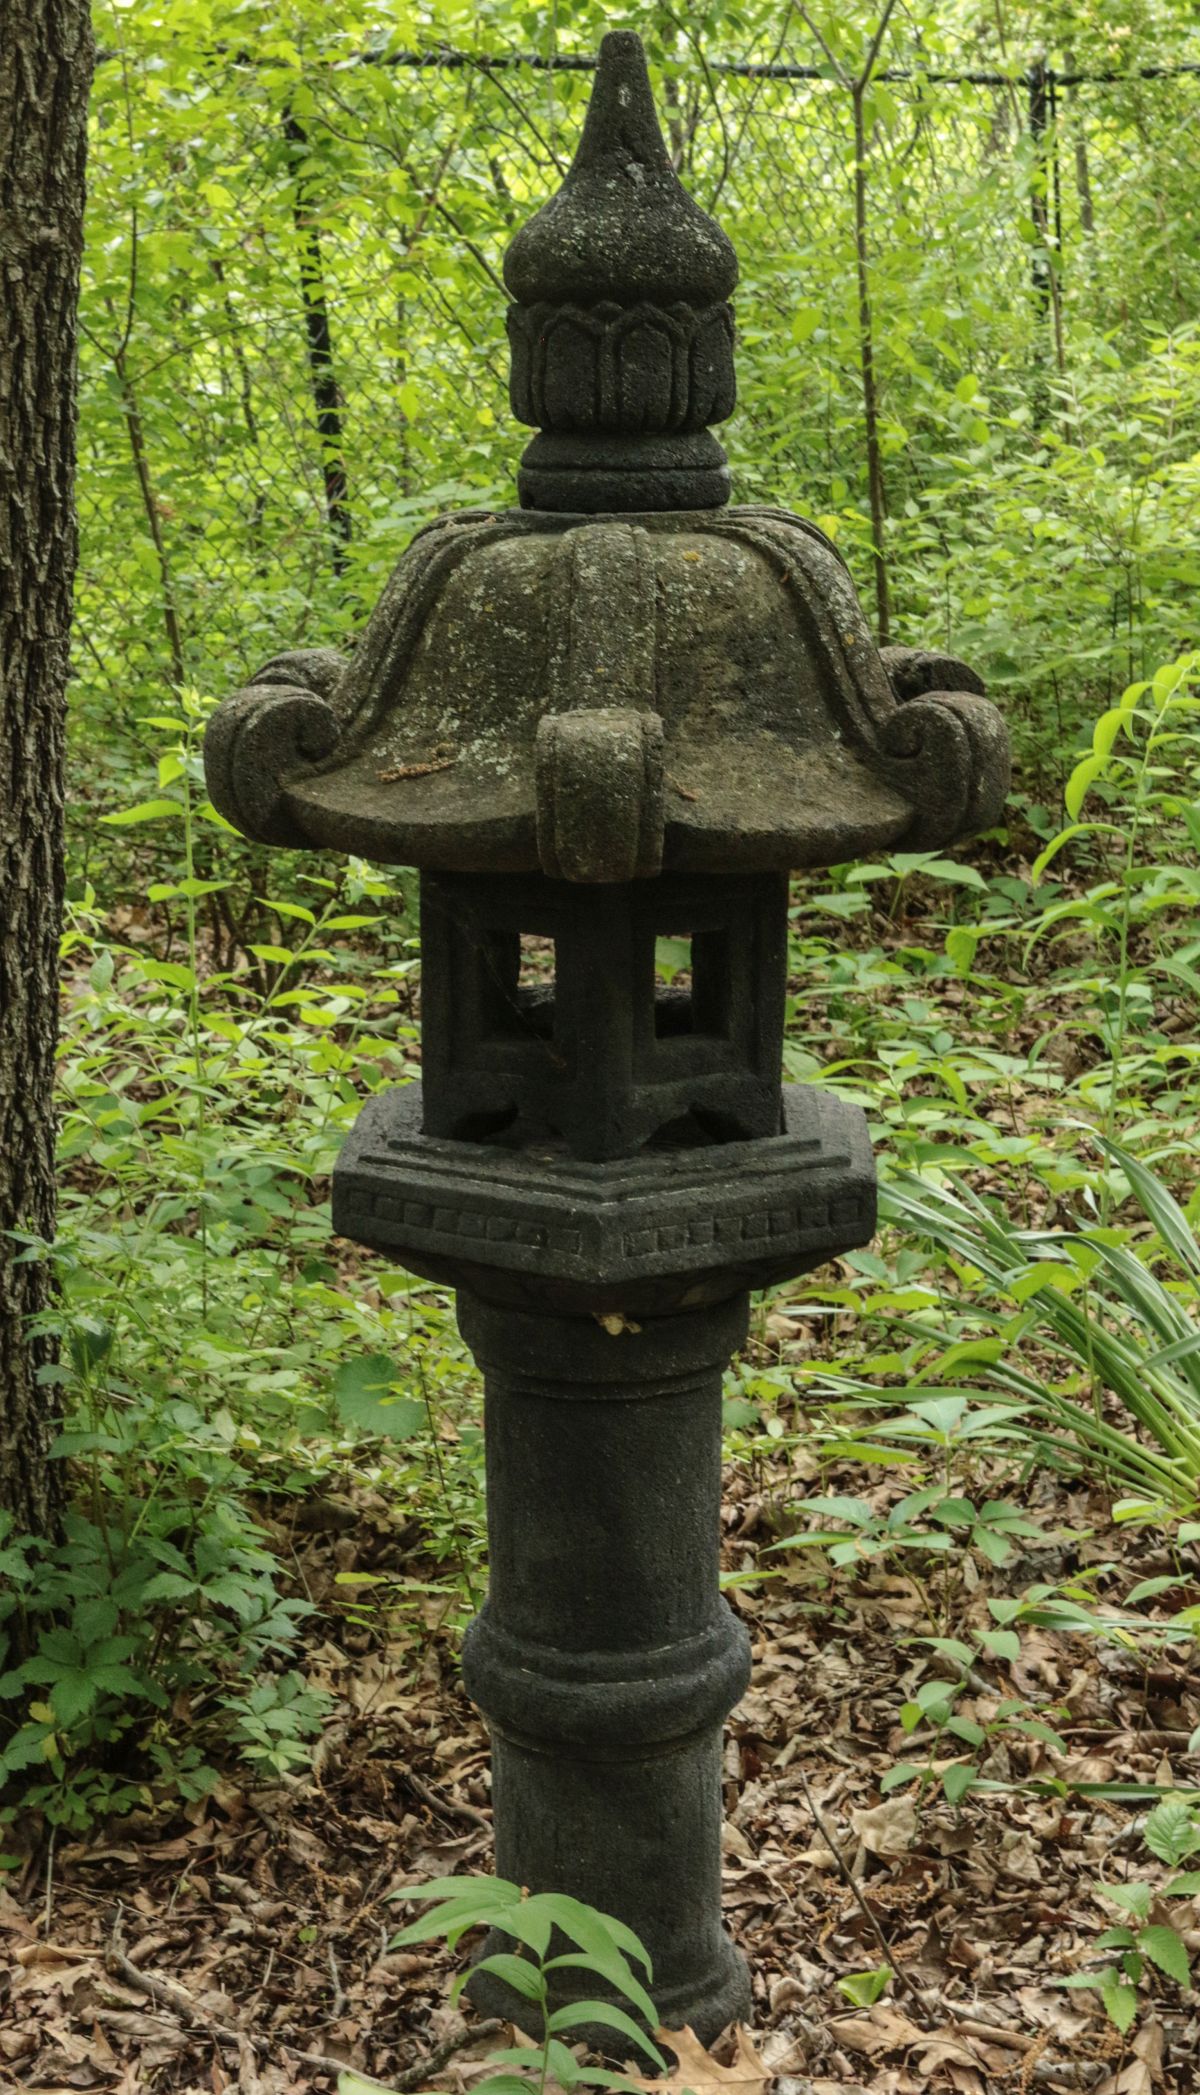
(600, 794)
(949, 754)
(915, 671)
(263, 737)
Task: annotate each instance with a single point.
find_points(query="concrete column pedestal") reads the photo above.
(605, 1658)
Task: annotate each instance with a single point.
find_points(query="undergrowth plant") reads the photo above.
(212, 1367)
(559, 1942)
(1115, 1307)
(1153, 1933)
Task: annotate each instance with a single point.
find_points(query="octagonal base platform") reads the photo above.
(665, 1230)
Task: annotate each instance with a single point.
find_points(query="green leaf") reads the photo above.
(1001, 1643)
(610, 2017)
(897, 1777)
(961, 943)
(528, 1923)
(618, 1974)
(475, 1888)
(1132, 1898)
(144, 811)
(1106, 730)
(1171, 1832)
(864, 1988)
(1064, 837)
(517, 1972)
(952, 1648)
(1164, 1948)
(288, 909)
(1082, 778)
(450, 1921)
(955, 875)
(365, 1394)
(967, 1729)
(856, 1512)
(1120, 2000)
(596, 1933)
(168, 1585)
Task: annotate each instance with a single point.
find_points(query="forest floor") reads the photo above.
(243, 1944)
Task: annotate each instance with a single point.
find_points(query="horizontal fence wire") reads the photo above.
(295, 350)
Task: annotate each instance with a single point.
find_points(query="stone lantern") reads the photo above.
(621, 712)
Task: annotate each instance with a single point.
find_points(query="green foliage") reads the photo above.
(930, 1719)
(603, 1951)
(133, 1647)
(1147, 1943)
(864, 1988)
(227, 1010)
(208, 1357)
(1112, 1306)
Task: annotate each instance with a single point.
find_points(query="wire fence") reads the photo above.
(295, 346)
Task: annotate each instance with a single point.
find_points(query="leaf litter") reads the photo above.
(242, 1943)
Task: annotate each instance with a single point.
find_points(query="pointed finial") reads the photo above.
(621, 333)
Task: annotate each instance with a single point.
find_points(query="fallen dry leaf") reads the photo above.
(397, 771)
(886, 1829)
(1144, 2070)
(31, 1953)
(698, 2072)
(884, 2029)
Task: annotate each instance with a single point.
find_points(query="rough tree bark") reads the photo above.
(45, 73)
(327, 395)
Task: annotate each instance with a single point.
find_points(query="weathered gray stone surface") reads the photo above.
(606, 1060)
(619, 712)
(784, 744)
(605, 1657)
(652, 1235)
(622, 227)
(621, 332)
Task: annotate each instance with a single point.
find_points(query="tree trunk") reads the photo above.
(876, 485)
(45, 73)
(327, 396)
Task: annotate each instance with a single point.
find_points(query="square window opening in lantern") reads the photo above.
(516, 971)
(674, 1005)
(694, 986)
(534, 1002)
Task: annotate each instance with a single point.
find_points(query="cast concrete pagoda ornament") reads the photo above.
(622, 711)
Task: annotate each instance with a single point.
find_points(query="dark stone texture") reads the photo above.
(600, 794)
(631, 370)
(634, 474)
(280, 725)
(621, 333)
(608, 1060)
(661, 1231)
(914, 671)
(784, 743)
(621, 713)
(605, 1658)
(622, 227)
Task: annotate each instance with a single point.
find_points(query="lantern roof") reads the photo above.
(623, 674)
